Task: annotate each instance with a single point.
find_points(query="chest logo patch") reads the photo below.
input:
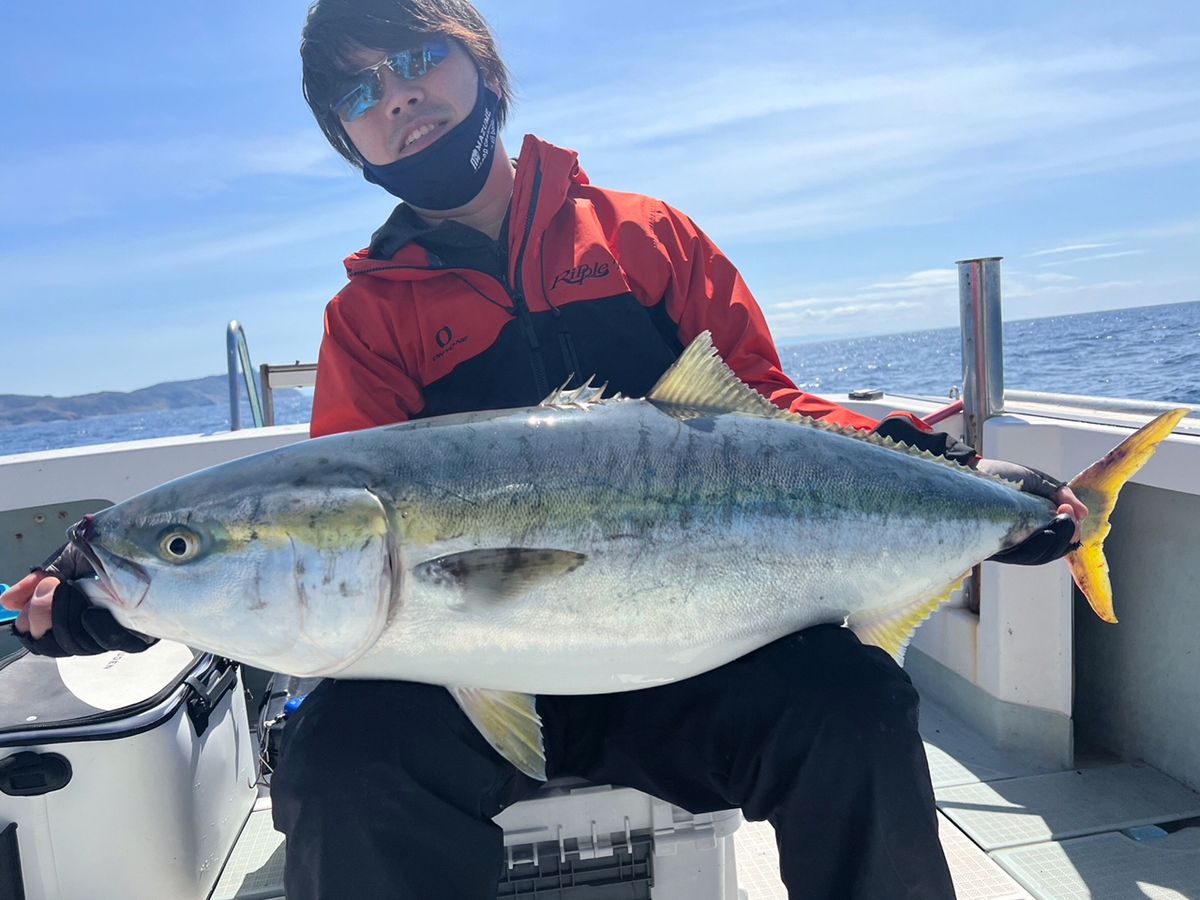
(580, 274)
(446, 341)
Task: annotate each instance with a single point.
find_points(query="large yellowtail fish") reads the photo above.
(585, 545)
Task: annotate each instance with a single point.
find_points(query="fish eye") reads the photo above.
(178, 544)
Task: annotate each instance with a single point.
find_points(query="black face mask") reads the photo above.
(451, 171)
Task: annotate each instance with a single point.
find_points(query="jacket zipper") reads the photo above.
(565, 342)
(516, 291)
(521, 307)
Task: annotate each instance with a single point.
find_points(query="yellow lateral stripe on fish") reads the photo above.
(1098, 486)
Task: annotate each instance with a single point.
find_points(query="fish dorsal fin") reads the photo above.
(582, 397)
(701, 384)
(511, 724)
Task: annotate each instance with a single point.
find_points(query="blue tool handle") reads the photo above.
(6, 615)
(293, 704)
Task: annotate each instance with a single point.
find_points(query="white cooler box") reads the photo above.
(575, 840)
(126, 776)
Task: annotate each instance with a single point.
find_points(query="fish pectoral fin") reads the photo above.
(496, 573)
(892, 627)
(510, 723)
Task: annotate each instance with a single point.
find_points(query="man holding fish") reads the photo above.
(492, 284)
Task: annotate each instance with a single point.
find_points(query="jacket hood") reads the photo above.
(545, 175)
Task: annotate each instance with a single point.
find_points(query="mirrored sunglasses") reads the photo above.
(367, 84)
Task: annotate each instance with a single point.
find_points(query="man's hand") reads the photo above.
(57, 619)
(1070, 505)
(1062, 534)
(32, 596)
(1055, 540)
(1034, 482)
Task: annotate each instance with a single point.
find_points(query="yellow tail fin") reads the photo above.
(1097, 486)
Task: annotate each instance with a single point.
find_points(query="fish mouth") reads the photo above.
(112, 571)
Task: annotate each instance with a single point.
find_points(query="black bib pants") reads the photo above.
(386, 790)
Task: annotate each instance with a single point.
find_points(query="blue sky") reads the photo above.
(160, 173)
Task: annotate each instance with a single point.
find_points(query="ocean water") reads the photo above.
(1147, 353)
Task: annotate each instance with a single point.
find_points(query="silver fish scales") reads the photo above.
(584, 546)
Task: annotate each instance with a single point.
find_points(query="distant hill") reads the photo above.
(16, 409)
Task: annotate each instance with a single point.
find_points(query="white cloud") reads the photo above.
(920, 281)
(890, 305)
(825, 142)
(847, 311)
(1070, 248)
(188, 252)
(1082, 259)
(929, 299)
(88, 180)
(1164, 231)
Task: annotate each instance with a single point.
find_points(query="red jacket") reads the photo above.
(591, 282)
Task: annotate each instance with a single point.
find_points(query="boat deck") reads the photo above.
(1010, 830)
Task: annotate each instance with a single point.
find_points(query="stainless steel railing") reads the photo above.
(1112, 410)
(297, 375)
(237, 352)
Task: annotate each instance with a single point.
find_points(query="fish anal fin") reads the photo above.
(892, 627)
(495, 574)
(509, 722)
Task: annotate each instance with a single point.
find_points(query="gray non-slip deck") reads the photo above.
(958, 755)
(758, 862)
(255, 869)
(975, 875)
(1109, 867)
(1038, 808)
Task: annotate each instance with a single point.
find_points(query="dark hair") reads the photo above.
(337, 28)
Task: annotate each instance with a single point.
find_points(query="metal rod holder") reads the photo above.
(983, 363)
(982, 345)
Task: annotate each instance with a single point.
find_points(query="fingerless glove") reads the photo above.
(1043, 546)
(78, 627)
